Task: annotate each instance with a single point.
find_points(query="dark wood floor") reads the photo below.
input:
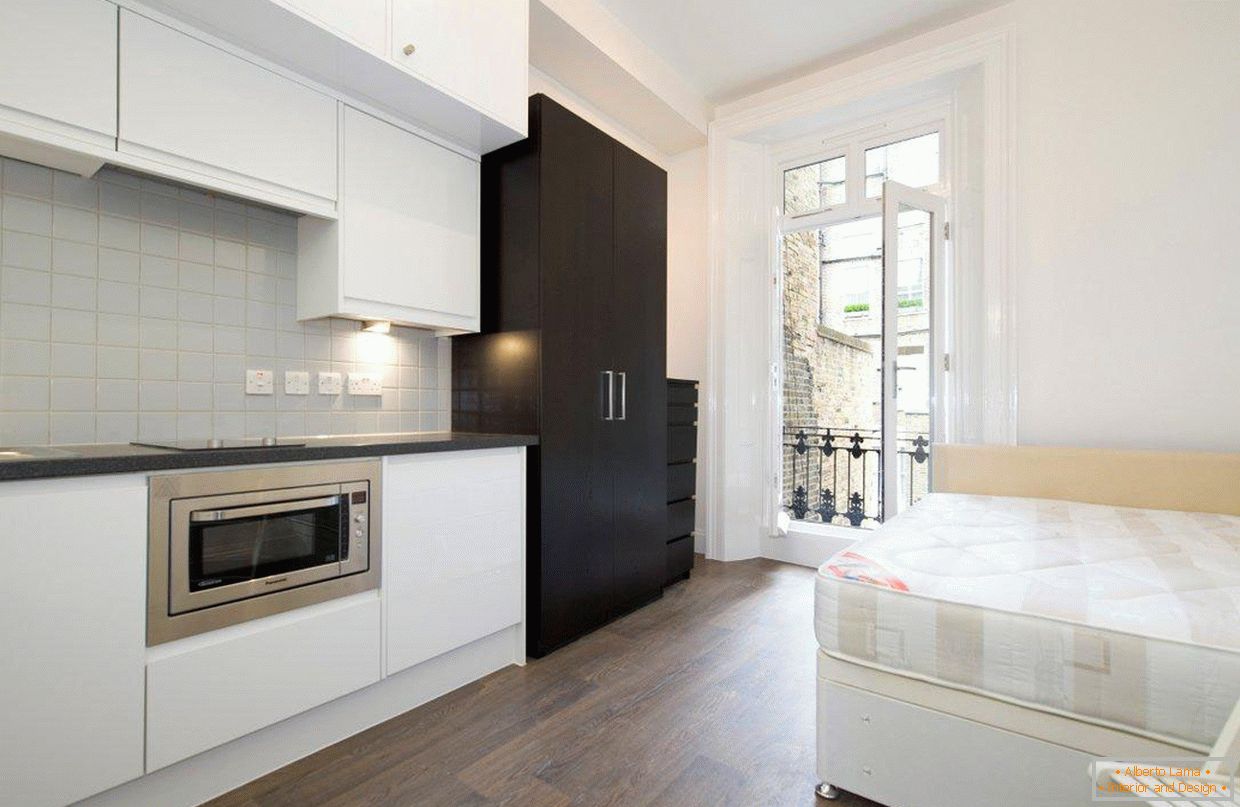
(703, 698)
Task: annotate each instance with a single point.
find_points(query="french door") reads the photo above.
(862, 346)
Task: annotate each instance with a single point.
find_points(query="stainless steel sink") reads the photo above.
(32, 453)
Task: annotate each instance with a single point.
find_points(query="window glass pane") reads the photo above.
(914, 162)
(814, 187)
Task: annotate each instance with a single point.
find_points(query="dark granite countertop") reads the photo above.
(41, 462)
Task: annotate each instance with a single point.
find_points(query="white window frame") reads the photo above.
(851, 142)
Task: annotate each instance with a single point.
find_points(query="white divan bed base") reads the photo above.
(911, 743)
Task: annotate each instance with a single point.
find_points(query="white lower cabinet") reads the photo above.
(206, 690)
(453, 550)
(72, 639)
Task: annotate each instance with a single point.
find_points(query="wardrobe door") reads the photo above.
(576, 521)
(638, 345)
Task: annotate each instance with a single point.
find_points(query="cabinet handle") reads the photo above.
(624, 396)
(607, 394)
(408, 49)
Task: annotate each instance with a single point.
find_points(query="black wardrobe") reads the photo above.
(573, 348)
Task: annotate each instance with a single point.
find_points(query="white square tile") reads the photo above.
(23, 428)
(290, 345)
(159, 334)
(229, 225)
(196, 277)
(73, 258)
(157, 302)
(72, 361)
(161, 241)
(161, 272)
(71, 189)
(25, 286)
(228, 425)
(318, 347)
(118, 298)
(24, 393)
(74, 326)
(229, 397)
(197, 218)
(157, 396)
(196, 337)
(196, 366)
(260, 342)
(157, 365)
(194, 396)
(26, 179)
(261, 260)
(229, 340)
(116, 200)
(286, 319)
(230, 369)
(195, 307)
(116, 395)
(115, 264)
(117, 362)
(197, 248)
(229, 254)
(260, 315)
(27, 251)
(118, 233)
(155, 426)
(71, 291)
(290, 424)
(286, 264)
(261, 288)
(120, 330)
(68, 428)
(260, 424)
(116, 427)
(75, 224)
(230, 282)
(21, 357)
(194, 426)
(26, 215)
(229, 311)
(159, 209)
(73, 394)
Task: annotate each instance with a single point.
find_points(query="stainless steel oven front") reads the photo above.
(230, 546)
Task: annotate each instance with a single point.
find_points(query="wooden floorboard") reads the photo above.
(705, 697)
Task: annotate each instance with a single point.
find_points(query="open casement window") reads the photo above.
(861, 307)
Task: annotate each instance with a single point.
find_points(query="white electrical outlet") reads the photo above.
(365, 383)
(259, 382)
(329, 383)
(296, 382)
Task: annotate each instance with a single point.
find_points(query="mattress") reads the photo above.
(1124, 617)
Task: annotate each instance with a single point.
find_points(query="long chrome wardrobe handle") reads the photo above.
(624, 395)
(607, 394)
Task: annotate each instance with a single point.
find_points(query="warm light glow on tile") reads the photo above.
(374, 348)
(376, 326)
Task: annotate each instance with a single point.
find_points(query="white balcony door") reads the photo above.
(912, 342)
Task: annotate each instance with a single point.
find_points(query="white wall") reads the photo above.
(1127, 184)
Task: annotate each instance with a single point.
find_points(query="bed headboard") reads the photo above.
(1160, 480)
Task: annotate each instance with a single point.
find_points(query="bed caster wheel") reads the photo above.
(826, 790)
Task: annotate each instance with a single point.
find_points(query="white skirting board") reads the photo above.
(212, 773)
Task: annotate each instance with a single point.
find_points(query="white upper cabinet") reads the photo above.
(478, 50)
(73, 633)
(406, 246)
(57, 77)
(363, 22)
(194, 112)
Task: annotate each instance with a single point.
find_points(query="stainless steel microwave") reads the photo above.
(230, 546)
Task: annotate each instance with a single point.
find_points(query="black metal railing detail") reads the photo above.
(843, 466)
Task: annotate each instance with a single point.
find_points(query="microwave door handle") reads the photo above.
(230, 513)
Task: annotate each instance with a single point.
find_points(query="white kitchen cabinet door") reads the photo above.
(72, 629)
(57, 74)
(206, 690)
(197, 113)
(406, 246)
(453, 550)
(362, 21)
(478, 50)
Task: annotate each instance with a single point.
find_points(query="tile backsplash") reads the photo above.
(131, 308)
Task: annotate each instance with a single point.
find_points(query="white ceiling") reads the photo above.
(729, 48)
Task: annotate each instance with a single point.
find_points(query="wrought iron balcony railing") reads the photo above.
(835, 475)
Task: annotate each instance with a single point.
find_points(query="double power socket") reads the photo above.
(297, 382)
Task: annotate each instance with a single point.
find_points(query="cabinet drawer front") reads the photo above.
(257, 675)
(680, 518)
(411, 220)
(681, 415)
(58, 65)
(679, 557)
(682, 393)
(681, 443)
(681, 480)
(198, 108)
